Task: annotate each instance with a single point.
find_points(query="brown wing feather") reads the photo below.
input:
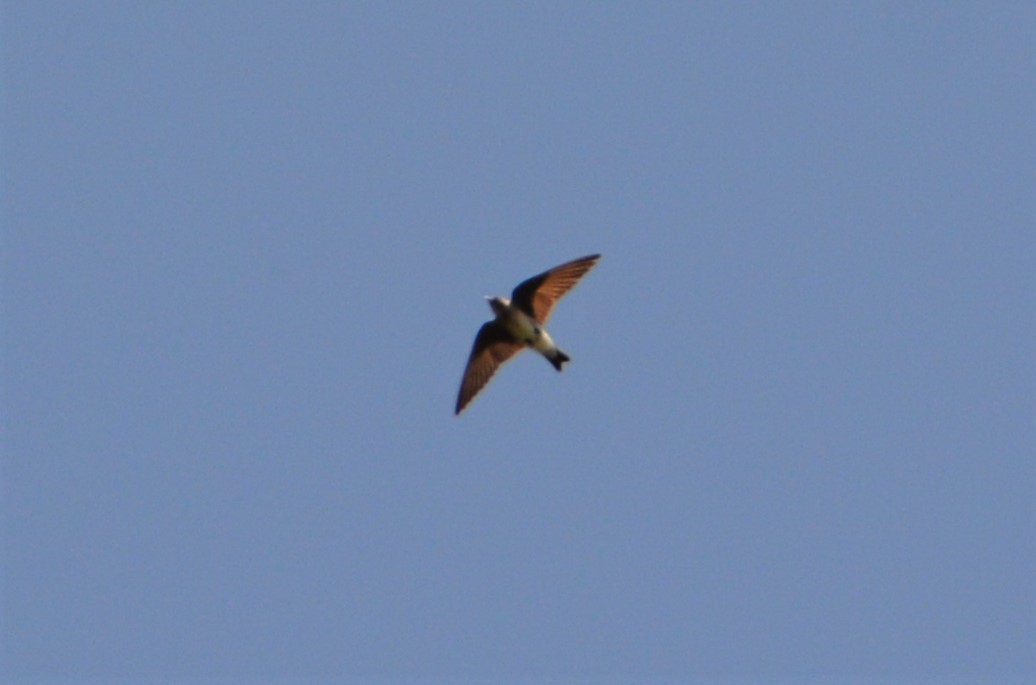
(493, 346)
(537, 296)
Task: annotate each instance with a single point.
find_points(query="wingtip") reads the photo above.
(590, 260)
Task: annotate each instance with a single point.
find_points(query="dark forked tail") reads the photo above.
(558, 358)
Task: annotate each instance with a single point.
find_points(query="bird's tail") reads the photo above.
(557, 358)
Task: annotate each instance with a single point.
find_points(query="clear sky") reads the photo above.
(245, 246)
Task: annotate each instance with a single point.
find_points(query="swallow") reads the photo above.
(519, 324)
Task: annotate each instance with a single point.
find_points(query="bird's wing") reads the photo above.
(538, 295)
(493, 346)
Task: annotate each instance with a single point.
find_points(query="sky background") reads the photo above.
(244, 251)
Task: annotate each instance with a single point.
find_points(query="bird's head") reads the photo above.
(498, 304)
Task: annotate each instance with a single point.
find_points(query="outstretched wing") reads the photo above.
(538, 295)
(493, 346)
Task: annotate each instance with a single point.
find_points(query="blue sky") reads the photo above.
(245, 246)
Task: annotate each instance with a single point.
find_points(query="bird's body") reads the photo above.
(525, 329)
(519, 323)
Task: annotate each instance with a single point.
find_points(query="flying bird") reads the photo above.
(519, 323)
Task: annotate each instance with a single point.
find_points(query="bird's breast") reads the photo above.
(520, 325)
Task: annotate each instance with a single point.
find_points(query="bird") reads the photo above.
(520, 323)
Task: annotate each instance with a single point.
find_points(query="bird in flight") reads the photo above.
(519, 323)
